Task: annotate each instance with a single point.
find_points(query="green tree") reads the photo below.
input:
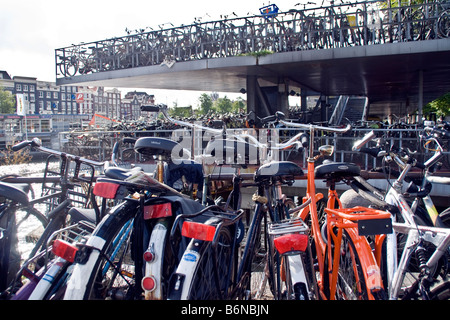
(399, 3)
(238, 105)
(180, 112)
(440, 106)
(223, 105)
(206, 103)
(7, 102)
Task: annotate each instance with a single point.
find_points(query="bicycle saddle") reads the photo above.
(82, 214)
(13, 193)
(278, 170)
(151, 146)
(337, 170)
(120, 173)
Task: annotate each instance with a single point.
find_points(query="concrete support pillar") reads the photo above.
(251, 94)
(420, 102)
(283, 98)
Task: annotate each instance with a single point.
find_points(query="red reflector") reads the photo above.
(149, 256)
(157, 211)
(148, 283)
(64, 250)
(291, 242)
(198, 231)
(106, 190)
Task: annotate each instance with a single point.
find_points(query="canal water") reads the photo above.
(29, 225)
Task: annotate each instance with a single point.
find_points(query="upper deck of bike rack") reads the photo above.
(389, 55)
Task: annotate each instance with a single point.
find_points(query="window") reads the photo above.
(55, 95)
(25, 87)
(49, 94)
(45, 125)
(41, 94)
(18, 87)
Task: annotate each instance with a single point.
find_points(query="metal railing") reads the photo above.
(102, 142)
(340, 25)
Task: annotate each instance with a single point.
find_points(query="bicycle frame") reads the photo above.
(440, 237)
(337, 219)
(396, 270)
(414, 232)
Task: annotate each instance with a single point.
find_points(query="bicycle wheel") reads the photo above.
(350, 284)
(444, 24)
(260, 277)
(113, 276)
(105, 269)
(203, 286)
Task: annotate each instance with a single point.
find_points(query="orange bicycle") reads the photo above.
(347, 266)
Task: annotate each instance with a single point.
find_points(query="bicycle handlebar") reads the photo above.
(240, 137)
(163, 109)
(315, 127)
(358, 144)
(35, 143)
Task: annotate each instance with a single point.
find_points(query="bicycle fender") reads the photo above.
(297, 272)
(76, 287)
(372, 273)
(153, 268)
(182, 279)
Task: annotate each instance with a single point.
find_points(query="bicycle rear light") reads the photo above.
(198, 231)
(291, 242)
(64, 250)
(148, 283)
(157, 211)
(106, 190)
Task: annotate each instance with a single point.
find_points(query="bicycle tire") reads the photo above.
(86, 280)
(443, 24)
(200, 280)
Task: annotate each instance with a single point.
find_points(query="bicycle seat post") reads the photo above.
(160, 169)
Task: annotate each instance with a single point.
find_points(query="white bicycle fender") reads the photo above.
(77, 284)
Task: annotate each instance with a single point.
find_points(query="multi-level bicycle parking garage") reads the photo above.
(336, 26)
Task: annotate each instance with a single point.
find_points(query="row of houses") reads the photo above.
(51, 109)
(46, 98)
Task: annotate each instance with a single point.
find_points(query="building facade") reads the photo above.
(51, 109)
(46, 98)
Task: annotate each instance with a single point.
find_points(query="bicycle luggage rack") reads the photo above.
(76, 233)
(370, 221)
(292, 232)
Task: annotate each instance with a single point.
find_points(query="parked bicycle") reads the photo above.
(418, 252)
(69, 187)
(212, 267)
(347, 268)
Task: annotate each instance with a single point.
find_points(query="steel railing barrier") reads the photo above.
(339, 25)
(98, 145)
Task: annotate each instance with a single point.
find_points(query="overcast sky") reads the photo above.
(31, 30)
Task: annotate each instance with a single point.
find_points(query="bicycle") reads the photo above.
(347, 268)
(61, 191)
(212, 268)
(127, 255)
(421, 239)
